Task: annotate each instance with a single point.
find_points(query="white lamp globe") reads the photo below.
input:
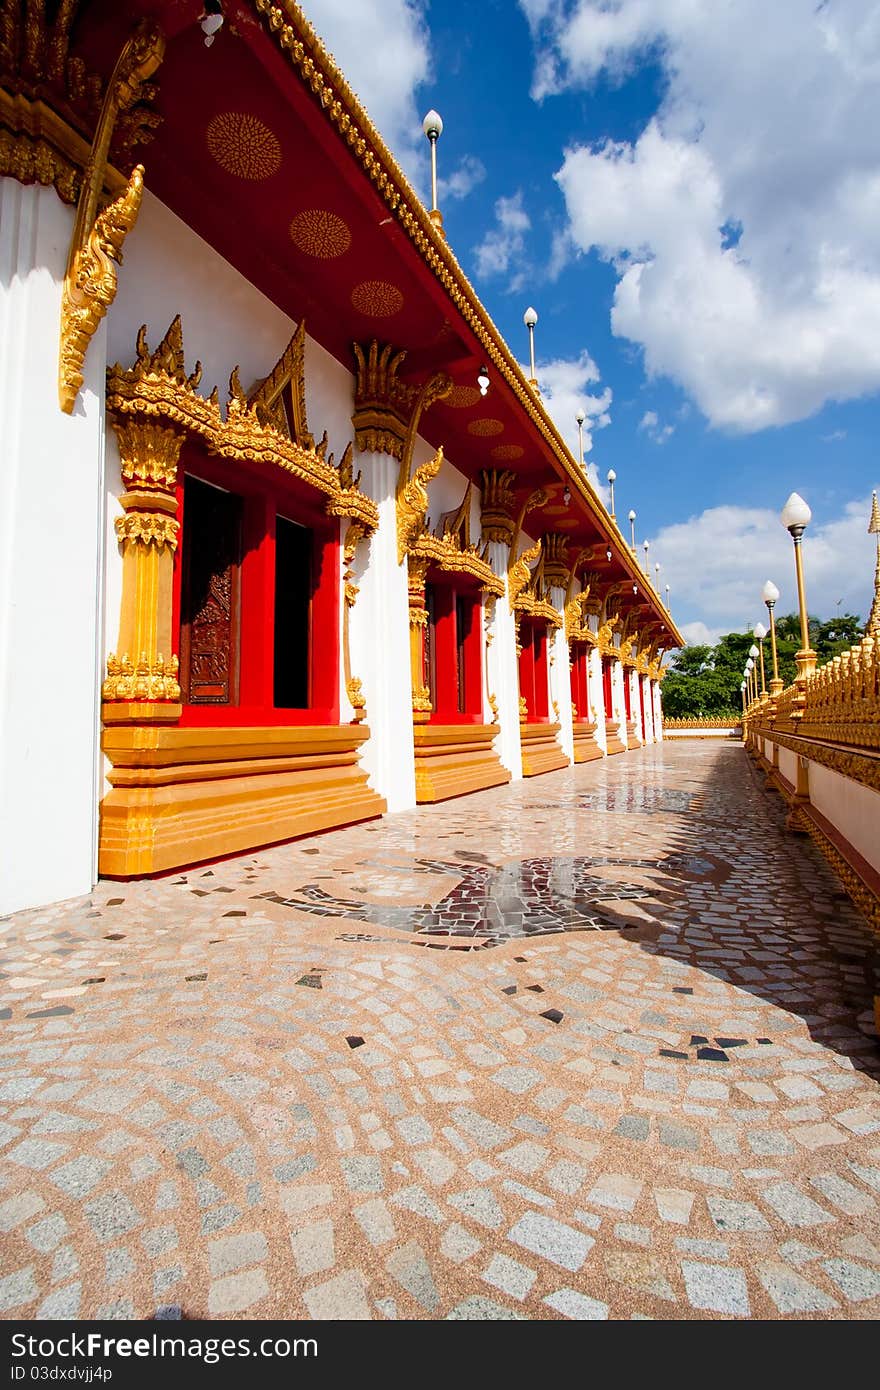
(795, 512)
(770, 593)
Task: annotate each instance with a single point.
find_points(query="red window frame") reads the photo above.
(265, 497)
(534, 670)
(580, 681)
(455, 650)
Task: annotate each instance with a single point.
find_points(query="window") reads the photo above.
(453, 652)
(293, 601)
(580, 680)
(533, 670)
(209, 634)
(257, 592)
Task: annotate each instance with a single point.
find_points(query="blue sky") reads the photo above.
(689, 195)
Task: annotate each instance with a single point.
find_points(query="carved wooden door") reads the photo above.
(209, 616)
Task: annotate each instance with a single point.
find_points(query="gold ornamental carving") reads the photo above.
(320, 233)
(50, 103)
(158, 391)
(243, 146)
(149, 453)
(142, 681)
(497, 504)
(377, 299)
(386, 409)
(148, 528)
(354, 534)
(555, 552)
(96, 243)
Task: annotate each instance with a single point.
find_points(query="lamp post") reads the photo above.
(580, 418)
(668, 610)
(632, 531)
(742, 691)
(795, 517)
(530, 318)
(612, 479)
(750, 666)
(646, 547)
(432, 125)
(760, 631)
(753, 658)
(770, 594)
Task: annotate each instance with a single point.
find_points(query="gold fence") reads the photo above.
(839, 703)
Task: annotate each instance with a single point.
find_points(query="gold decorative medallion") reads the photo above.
(461, 397)
(485, 428)
(377, 299)
(320, 233)
(243, 146)
(507, 452)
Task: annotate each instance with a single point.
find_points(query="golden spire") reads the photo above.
(872, 627)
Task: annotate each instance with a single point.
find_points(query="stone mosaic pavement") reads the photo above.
(594, 1045)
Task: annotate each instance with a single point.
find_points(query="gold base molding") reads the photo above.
(540, 749)
(585, 746)
(633, 738)
(454, 759)
(613, 741)
(181, 796)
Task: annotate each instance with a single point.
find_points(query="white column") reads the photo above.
(380, 652)
(51, 486)
(618, 700)
(658, 711)
(597, 697)
(502, 671)
(560, 677)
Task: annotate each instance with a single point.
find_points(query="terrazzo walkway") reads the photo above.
(645, 1085)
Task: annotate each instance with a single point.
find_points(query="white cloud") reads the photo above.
(382, 46)
(717, 562)
(564, 385)
(463, 180)
(834, 437)
(502, 250)
(743, 223)
(699, 635)
(650, 423)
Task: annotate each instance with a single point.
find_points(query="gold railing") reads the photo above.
(839, 703)
(733, 721)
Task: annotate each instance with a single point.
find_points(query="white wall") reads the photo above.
(50, 557)
(851, 807)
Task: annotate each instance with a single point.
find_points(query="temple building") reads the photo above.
(289, 540)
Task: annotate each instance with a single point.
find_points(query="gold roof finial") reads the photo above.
(872, 627)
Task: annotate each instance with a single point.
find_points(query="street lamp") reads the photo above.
(530, 318)
(580, 418)
(760, 631)
(742, 691)
(432, 125)
(770, 594)
(795, 517)
(632, 530)
(667, 598)
(750, 666)
(612, 479)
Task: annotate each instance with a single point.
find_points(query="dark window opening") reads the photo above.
(211, 574)
(293, 601)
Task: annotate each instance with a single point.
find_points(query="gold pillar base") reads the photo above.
(454, 759)
(805, 660)
(633, 740)
(613, 741)
(181, 796)
(540, 749)
(585, 746)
